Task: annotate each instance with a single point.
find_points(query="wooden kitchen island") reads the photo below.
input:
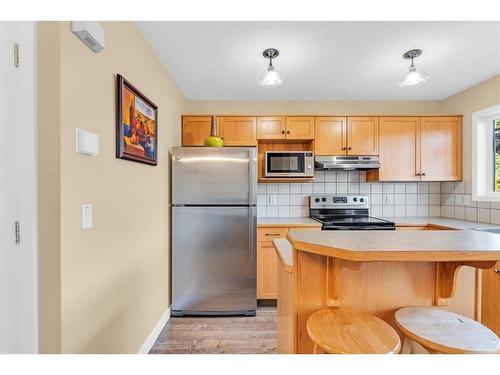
(377, 272)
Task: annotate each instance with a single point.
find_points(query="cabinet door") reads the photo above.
(399, 149)
(271, 127)
(300, 127)
(267, 267)
(490, 301)
(330, 135)
(441, 148)
(195, 129)
(238, 130)
(362, 136)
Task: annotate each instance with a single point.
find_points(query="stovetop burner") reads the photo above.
(345, 212)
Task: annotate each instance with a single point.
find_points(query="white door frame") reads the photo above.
(25, 33)
(29, 215)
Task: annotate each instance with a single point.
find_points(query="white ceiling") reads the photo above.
(324, 60)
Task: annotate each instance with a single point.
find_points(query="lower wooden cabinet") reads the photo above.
(267, 262)
(490, 299)
(267, 259)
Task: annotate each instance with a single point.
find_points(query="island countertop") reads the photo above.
(434, 246)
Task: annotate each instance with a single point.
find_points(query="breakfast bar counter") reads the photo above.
(378, 272)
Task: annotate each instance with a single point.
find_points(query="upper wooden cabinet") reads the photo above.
(272, 127)
(281, 128)
(362, 135)
(399, 151)
(330, 135)
(299, 127)
(346, 136)
(237, 130)
(441, 148)
(419, 149)
(195, 129)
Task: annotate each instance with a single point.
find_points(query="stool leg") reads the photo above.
(406, 346)
(315, 350)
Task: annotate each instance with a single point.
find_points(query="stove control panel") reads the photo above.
(338, 201)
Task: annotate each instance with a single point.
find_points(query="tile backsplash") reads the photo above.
(457, 203)
(386, 198)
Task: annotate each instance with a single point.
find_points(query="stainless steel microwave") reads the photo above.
(289, 164)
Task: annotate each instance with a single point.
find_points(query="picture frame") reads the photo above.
(136, 124)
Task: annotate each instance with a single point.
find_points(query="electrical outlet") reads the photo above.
(389, 199)
(467, 200)
(459, 200)
(272, 200)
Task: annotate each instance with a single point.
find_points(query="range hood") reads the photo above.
(327, 163)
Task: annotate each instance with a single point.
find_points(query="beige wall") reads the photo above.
(49, 188)
(114, 278)
(478, 97)
(312, 107)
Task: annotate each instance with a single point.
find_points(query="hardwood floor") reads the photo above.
(212, 335)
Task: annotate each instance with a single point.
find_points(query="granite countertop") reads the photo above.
(441, 221)
(287, 222)
(451, 245)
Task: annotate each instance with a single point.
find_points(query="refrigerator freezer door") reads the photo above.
(214, 175)
(213, 260)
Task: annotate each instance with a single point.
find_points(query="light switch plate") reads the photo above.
(389, 199)
(86, 216)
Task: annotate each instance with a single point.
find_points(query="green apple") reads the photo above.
(214, 141)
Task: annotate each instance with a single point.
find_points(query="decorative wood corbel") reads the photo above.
(446, 278)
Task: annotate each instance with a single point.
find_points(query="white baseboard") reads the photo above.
(148, 344)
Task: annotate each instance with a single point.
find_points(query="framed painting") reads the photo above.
(136, 125)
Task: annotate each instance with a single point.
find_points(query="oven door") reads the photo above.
(285, 164)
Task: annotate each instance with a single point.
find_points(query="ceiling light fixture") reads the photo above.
(413, 76)
(270, 77)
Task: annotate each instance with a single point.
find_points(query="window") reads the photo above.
(486, 159)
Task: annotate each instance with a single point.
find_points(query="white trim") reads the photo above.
(150, 341)
(482, 155)
(28, 189)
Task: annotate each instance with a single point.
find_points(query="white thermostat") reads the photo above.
(86, 142)
(90, 33)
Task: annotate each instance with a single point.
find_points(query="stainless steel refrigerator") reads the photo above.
(214, 231)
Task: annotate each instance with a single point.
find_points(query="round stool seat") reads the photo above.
(446, 332)
(346, 331)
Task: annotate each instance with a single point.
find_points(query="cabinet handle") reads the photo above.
(344, 148)
(496, 270)
(272, 234)
(350, 148)
(423, 174)
(282, 132)
(288, 132)
(418, 174)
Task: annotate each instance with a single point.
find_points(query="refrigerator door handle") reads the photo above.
(252, 223)
(252, 175)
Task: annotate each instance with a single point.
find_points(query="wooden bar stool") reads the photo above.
(441, 331)
(346, 331)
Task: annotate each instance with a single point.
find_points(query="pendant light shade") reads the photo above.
(271, 77)
(413, 76)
